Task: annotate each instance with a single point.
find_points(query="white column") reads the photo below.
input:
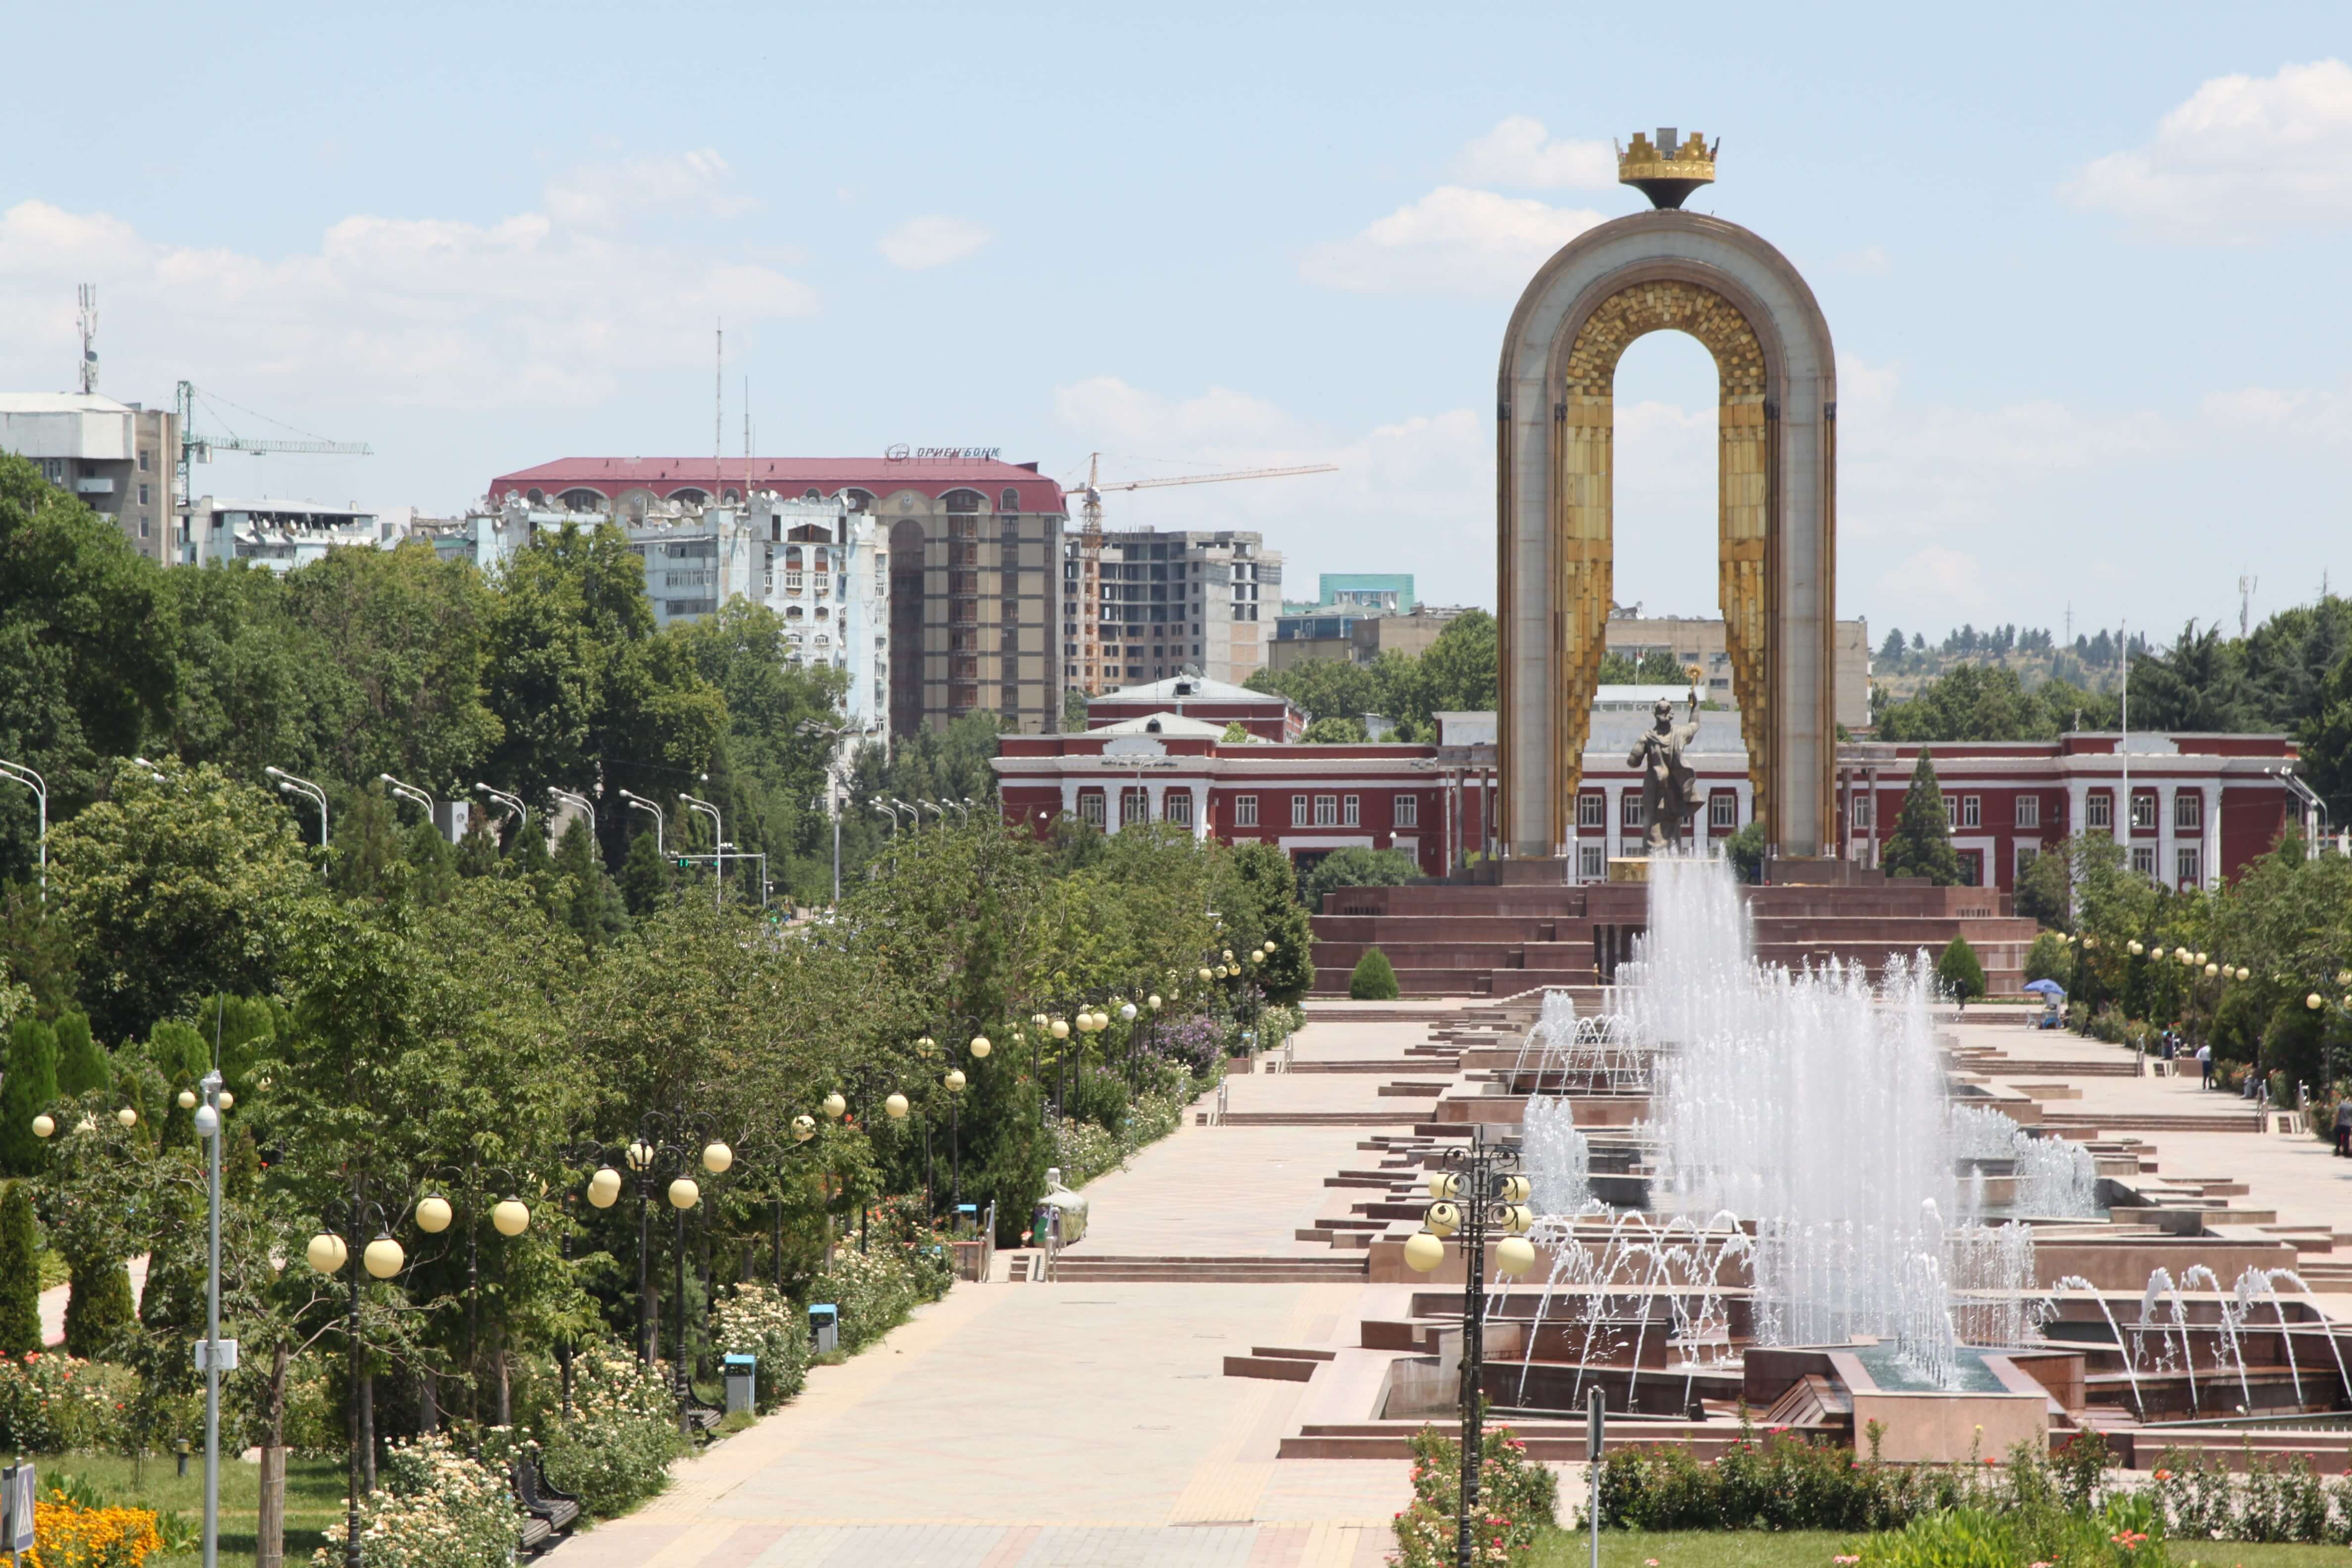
(2209, 862)
(1155, 797)
(2166, 804)
(1199, 793)
(1114, 804)
(1069, 795)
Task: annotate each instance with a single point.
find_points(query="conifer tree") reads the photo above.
(1921, 843)
(1963, 976)
(591, 904)
(20, 1284)
(1374, 979)
(27, 1090)
(82, 1064)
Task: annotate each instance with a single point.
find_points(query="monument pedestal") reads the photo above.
(1629, 869)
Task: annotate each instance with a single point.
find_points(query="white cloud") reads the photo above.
(1519, 152)
(1952, 580)
(925, 242)
(1414, 494)
(1454, 240)
(535, 308)
(603, 196)
(1870, 260)
(2242, 158)
(2306, 415)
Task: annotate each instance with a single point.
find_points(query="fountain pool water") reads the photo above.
(1558, 1159)
(1812, 1101)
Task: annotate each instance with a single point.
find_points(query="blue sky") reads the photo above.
(2084, 265)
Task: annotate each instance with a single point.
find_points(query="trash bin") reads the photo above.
(742, 1383)
(825, 1326)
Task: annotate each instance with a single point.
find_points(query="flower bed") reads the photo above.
(50, 1403)
(1516, 1501)
(613, 1450)
(755, 1321)
(68, 1535)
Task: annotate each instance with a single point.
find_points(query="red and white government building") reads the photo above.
(2202, 805)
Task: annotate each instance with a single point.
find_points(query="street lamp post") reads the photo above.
(289, 784)
(639, 803)
(411, 793)
(208, 1126)
(512, 802)
(32, 781)
(667, 1143)
(382, 1258)
(1476, 1192)
(835, 781)
(719, 846)
(509, 1216)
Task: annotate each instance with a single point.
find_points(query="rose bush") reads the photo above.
(434, 1508)
(612, 1451)
(50, 1403)
(755, 1321)
(1517, 1499)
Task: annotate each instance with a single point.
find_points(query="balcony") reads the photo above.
(93, 485)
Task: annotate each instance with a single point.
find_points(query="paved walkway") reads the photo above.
(1081, 1424)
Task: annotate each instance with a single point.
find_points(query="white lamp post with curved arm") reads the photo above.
(661, 819)
(718, 846)
(410, 792)
(289, 785)
(41, 788)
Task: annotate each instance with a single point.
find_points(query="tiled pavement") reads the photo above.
(1074, 1424)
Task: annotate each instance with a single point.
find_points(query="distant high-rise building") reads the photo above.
(117, 456)
(1172, 602)
(972, 545)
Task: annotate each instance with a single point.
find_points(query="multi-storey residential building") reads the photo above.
(279, 534)
(820, 564)
(1171, 603)
(1361, 635)
(117, 456)
(973, 546)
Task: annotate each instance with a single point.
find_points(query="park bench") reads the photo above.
(547, 1513)
(702, 1419)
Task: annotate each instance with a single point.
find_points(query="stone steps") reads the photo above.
(1305, 1270)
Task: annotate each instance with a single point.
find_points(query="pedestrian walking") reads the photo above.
(2344, 1128)
(2205, 1064)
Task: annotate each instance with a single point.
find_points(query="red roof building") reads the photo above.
(611, 484)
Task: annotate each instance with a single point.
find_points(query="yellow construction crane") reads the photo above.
(1090, 533)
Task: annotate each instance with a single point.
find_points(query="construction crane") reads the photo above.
(200, 448)
(1090, 539)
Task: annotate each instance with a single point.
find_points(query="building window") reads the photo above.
(2099, 810)
(143, 468)
(1629, 809)
(1591, 809)
(2188, 810)
(1722, 810)
(1327, 811)
(1951, 811)
(2026, 855)
(2143, 860)
(1972, 868)
(1090, 808)
(1408, 811)
(1010, 501)
(1592, 862)
(2184, 867)
(1177, 804)
(143, 489)
(1351, 810)
(1297, 811)
(1971, 811)
(1245, 810)
(1134, 806)
(1865, 811)
(2029, 811)
(2142, 811)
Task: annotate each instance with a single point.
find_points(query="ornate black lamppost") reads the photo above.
(383, 1258)
(1477, 1191)
(510, 1217)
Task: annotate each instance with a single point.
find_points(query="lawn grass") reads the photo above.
(1814, 1548)
(314, 1498)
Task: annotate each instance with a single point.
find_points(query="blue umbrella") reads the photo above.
(2046, 987)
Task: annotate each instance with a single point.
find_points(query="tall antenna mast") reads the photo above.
(719, 410)
(88, 297)
(2246, 586)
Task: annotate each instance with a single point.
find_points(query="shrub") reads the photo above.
(436, 1509)
(754, 1321)
(2049, 959)
(1084, 1151)
(50, 1403)
(98, 1308)
(1962, 975)
(1357, 866)
(613, 1450)
(874, 1290)
(1374, 980)
(1517, 1499)
(1195, 1043)
(68, 1535)
(2121, 1535)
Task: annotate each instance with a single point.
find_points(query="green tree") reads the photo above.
(1236, 734)
(1921, 843)
(29, 1089)
(2044, 890)
(646, 878)
(20, 1277)
(1962, 976)
(1374, 980)
(87, 657)
(1261, 890)
(81, 1060)
(1745, 850)
(1334, 731)
(2050, 958)
(174, 889)
(591, 904)
(1356, 867)
(98, 1307)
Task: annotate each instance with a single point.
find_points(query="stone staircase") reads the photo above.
(1074, 1267)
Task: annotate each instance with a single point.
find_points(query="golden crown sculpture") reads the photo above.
(1664, 170)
